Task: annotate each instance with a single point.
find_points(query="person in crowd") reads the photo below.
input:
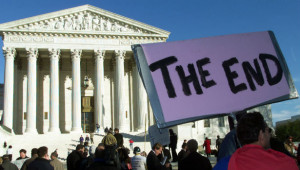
(1, 160)
(144, 154)
(298, 155)
(81, 140)
(166, 153)
(97, 128)
(91, 157)
(100, 161)
(124, 158)
(110, 154)
(34, 155)
(9, 152)
(218, 142)
(42, 161)
(289, 145)
(131, 144)
(207, 147)
(277, 145)
(106, 130)
(87, 139)
(153, 163)
(22, 154)
(193, 159)
(173, 144)
(55, 162)
(92, 137)
(254, 136)
(100, 146)
(182, 153)
(4, 144)
(74, 159)
(7, 165)
(138, 162)
(109, 139)
(230, 143)
(119, 138)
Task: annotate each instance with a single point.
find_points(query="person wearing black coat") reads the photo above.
(100, 161)
(119, 138)
(42, 162)
(75, 158)
(182, 153)
(194, 160)
(153, 162)
(173, 145)
(6, 164)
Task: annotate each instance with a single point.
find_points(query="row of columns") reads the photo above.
(32, 55)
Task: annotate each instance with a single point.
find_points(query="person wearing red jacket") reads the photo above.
(255, 153)
(207, 147)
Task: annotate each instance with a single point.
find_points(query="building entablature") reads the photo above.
(84, 27)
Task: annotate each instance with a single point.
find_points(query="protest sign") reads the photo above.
(158, 135)
(201, 78)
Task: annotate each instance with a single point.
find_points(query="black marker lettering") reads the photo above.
(162, 64)
(204, 73)
(185, 80)
(277, 78)
(231, 75)
(252, 73)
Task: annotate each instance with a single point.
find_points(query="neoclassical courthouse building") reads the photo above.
(65, 71)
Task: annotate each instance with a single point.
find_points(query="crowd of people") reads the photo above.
(247, 146)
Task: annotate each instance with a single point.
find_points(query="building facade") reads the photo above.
(68, 70)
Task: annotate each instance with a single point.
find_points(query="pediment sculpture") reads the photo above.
(84, 21)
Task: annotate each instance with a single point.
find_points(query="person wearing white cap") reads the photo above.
(138, 162)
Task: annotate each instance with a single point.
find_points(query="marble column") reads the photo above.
(141, 102)
(76, 91)
(119, 90)
(32, 54)
(54, 90)
(99, 87)
(9, 54)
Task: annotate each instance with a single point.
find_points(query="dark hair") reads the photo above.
(42, 151)
(54, 154)
(249, 126)
(34, 151)
(23, 150)
(123, 154)
(78, 147)
(156, 146)
(99, 153)
(192, 145)
(5, 157)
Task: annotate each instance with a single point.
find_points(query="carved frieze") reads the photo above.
(84, 21)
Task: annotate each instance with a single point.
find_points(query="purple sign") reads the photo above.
(193, 79)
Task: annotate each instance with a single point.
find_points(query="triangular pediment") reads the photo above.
(84, 19)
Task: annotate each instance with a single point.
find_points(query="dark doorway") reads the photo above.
(87, 114)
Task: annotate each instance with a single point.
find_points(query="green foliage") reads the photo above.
(292, 128)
